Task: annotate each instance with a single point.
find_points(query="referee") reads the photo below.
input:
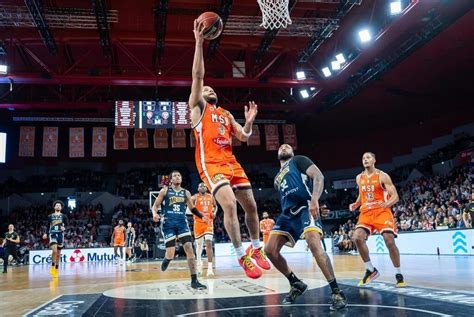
(10, 243)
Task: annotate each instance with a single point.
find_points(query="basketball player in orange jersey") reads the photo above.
(266, 226)
(218, 168)
(203, 231)
(118, 240)
(377, 195)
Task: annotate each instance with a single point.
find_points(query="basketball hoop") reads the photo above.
(275, 13)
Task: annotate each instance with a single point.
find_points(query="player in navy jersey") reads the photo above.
(130, 234)
(173, 200)
(300, 184)
(57, 223)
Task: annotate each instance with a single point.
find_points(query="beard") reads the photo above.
(211, 100)
(285, 156)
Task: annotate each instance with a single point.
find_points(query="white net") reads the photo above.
(275, 13)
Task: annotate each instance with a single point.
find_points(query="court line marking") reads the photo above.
(348, 306)
(431, 288)
(42, 305)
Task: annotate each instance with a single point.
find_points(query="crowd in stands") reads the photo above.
(81, 180)
(435, 203)
(137, 183)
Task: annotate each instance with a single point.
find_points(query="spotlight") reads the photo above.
(300, 75)
(326, 71)
(304, 93)
(335, 65)
(395, 7)
(365, 36)
(312, 88)
(340, 58)
(3, 69)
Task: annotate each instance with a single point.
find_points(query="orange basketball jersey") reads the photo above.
(119, 234)
(266, 225)
(213, 136)
(371, 191)
(205, 206)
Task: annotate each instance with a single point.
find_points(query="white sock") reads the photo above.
(209, 266)
(240, 252)
(398, 270)
(256, 243)
(199, 249)
(369, 266)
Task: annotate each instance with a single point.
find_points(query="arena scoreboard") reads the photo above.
(150, 114)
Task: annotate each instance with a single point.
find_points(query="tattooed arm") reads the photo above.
(307, 167)
(318, 185)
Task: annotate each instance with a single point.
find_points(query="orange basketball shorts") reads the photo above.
(202, 229)
(219, 174)
(379, 219)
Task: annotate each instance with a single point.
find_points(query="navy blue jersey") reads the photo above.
(294, 186)
(174, 205)
(56, 221)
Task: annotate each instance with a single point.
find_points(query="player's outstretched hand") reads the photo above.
(198, 31)
(156, 218)
(251, 112)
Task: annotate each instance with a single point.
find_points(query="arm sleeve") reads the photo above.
(196, 212)
(302, 163)
(48, 225)
(65, 220)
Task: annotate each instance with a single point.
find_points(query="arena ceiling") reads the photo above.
(72, 55)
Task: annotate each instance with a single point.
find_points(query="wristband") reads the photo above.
(246, 134)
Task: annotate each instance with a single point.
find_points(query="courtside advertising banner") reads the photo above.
(77, 255)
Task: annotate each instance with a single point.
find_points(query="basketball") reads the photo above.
(213, 24)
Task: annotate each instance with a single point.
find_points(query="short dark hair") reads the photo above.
(58, 202)
(372, 154)
(172, 172)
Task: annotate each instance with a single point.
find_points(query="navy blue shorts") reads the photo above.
(294, 225)
(175, 229)
(56, 238)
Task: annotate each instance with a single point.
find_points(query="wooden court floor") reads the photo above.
(25, 288)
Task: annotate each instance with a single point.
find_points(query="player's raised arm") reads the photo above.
(243, 133)
(196, 99)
